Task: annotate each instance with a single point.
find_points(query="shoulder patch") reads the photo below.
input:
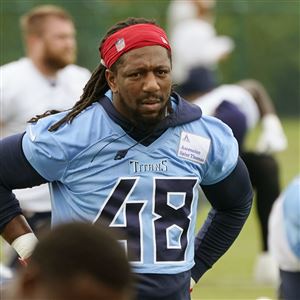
(193, 147)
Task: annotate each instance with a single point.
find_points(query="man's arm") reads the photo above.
(15, 172)
(15, 228)
(231, 201)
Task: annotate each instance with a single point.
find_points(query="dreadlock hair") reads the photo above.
(97, 86)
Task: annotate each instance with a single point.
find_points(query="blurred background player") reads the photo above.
(182, 11)
(241, 106)
(284, 239)
(75, 261)
(46, 79)
(196, 19)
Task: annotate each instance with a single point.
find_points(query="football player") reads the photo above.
(132, 154)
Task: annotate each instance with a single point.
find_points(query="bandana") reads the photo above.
(129, 38)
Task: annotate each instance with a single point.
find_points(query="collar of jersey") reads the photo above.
(183, 112)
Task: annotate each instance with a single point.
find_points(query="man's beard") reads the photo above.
(58, 61)
(139, 119)
(150, 123)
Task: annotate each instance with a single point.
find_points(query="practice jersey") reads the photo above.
(284, 228)
(25, 93)
(234, 94)
(151, 194)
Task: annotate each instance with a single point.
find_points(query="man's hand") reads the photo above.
(23, 262)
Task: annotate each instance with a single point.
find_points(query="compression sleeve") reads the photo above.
(231, 201)
(15, 172)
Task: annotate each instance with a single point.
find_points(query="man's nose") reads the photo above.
(151, 84)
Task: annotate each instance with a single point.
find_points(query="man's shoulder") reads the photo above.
(215, 128)
(75, 70)
(73, 137)
(19, 64)
(93, 114)
(17, 74)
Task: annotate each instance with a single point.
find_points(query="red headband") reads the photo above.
(129, 38)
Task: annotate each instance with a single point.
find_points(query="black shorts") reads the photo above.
(164, 286)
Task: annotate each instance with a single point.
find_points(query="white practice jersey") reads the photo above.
(284, 228)
(234, 94)
(25, 92)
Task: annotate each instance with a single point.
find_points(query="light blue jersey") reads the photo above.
(291, 213)
(151, 194)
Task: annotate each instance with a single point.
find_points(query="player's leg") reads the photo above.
(264, 175)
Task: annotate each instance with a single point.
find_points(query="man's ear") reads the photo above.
(34, 43)
(111, 80)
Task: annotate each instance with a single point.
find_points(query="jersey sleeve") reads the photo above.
(44, 152)
(224, 151)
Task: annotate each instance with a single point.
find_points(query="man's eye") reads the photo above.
(135, 75)
(162, 72)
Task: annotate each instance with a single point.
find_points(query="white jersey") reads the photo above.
(195, 43)
(234, 94)
(284, 228)
(25, 92)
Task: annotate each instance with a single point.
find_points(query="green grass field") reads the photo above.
(232, 276)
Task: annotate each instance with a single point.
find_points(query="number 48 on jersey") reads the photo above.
(170, 201)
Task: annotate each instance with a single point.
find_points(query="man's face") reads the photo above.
(141, 84)
(58, 43)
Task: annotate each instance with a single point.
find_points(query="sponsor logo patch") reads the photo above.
(193, 147)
